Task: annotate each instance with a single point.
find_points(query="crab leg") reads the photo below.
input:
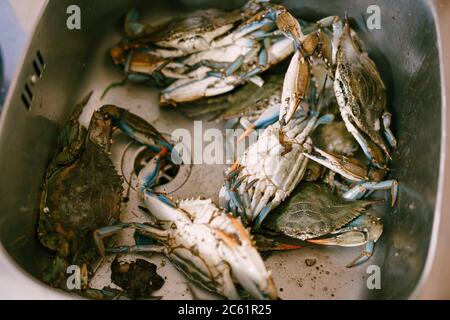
(242, 32)
(271, 115)
(387, 130)
(135, 127)
(352, 170)
(296, 84)
(155, 164)
(108, 231)
(358, 191)
(279, 196)
(290, 27)
(366, 253)
(136, 249)
(336, 23)
(371, 150)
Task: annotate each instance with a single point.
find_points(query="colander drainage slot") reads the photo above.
(25, 101)
(28, 91)
(41, 59)
(38, 66)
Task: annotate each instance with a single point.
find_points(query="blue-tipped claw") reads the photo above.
(151, 178)
(360, 190)
(365, 255)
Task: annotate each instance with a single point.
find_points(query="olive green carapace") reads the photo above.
(81, 192)
(313, 210)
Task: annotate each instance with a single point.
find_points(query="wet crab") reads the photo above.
(189, 33)
(213, 56)
(361, 95)
(315, 214)
(209, 246)
(358, 87)
(149, 51)
(270, 169)
(82, 190)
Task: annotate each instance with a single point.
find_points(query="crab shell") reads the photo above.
(361, 96)
(313, 210)
(192, 33)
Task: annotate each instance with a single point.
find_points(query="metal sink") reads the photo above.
(62, 65)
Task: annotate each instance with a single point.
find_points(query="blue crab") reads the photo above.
(209, 246)
(205, 53)
(82, 190)
(313, 213)
(358, 87)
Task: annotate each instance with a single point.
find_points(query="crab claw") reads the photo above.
(266, 243)
(363, 231)
(290, 26)
(347, 167)
(295, 86)
(352, 238)
(358, 191)
(365, 255)
(238, 251)
(186, 90)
